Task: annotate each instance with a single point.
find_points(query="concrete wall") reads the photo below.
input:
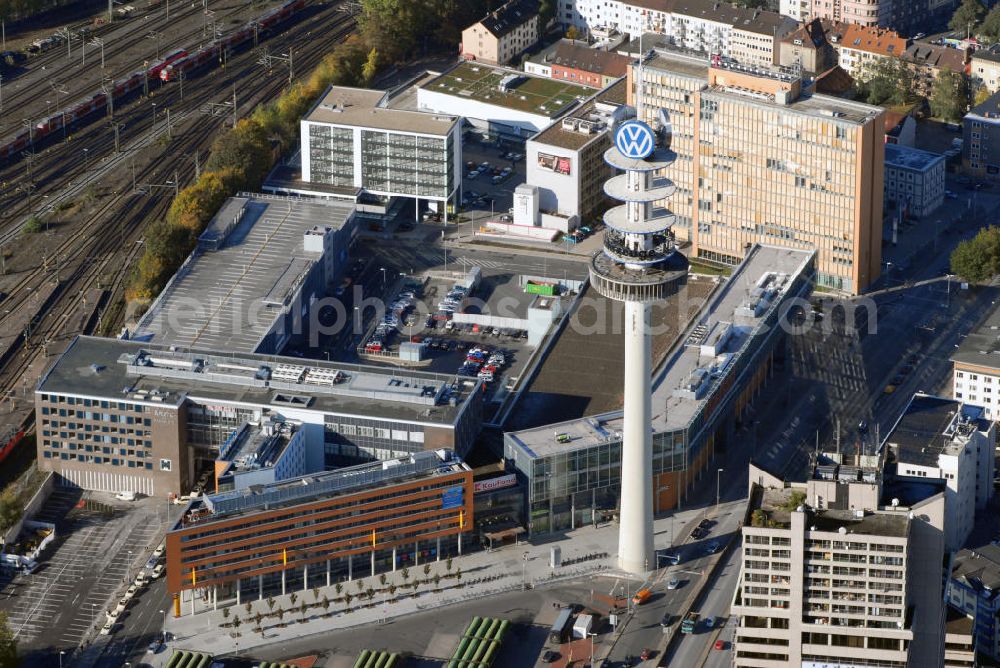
(33, 506)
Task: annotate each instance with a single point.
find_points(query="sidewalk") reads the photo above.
(482, 574)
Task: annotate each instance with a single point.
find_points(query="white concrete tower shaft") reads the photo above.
(635, 533)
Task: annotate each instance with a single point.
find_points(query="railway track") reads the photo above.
(100, 256)
(122, 38)
(25, 185)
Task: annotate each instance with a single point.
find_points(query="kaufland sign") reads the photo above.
(500, 482)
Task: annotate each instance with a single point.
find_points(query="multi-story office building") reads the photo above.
(351, 140)
(755, 39)
(949, 441)
(834, 575)
(566, 161)
(959, 640)
(290, 251)
(976, 367)
(502, 34)
(305, 532)
(981, 140)
(761, 160)
(914, 180)
(571, 471)
(118, 415)
(974, 590)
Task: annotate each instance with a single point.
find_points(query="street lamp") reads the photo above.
(164, 613)
(524, 566)
(718, 478)
(591, 636)
(383, 277)
(61, 652)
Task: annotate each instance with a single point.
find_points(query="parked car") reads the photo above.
(107, 628)
(157, 572)
(158, 552)
(674, 583)
(720, 644)
(712, 548)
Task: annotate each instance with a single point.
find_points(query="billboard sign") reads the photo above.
(554, 163)
(452, 498)
(499, 482)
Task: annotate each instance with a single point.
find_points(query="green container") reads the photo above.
(362, 659)
(547, 289)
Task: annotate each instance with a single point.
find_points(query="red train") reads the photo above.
(236, 39)
(164, 69)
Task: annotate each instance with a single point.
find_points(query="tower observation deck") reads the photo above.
(639, 264)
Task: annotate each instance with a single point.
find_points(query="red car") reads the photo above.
(646, 654)
(720, 644)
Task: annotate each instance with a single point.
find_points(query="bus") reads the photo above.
(561, 626)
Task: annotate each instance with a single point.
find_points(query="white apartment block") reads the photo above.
(976, 367)
(938, 439)
(706, 26)
(832, 577)
(985, 68)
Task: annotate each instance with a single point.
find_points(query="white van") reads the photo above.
(125, 496)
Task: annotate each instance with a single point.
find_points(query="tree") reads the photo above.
(360, 584)
(967, 17)
(248, 607)
(448, 564)
(347, 601)
(382, 579)
(236, 624)
(405, 574)
(981, 95)
(315, 594)
(978, 259)
(303, 609)
(11, 510)
(339, 588)
(437, 580)
(8, 644)
(259, 621)
(293, 597)
(990, 28)
(948, 96)
(270, 603)
(392, 590)
(225, 613)
(370, 68)
(885, 81)
(572, 33)
(427, 570)
(370, 593)
(546, 12)
(326, 604)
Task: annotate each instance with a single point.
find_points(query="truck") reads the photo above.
(582, 626)
(690, 622)
(558, 632)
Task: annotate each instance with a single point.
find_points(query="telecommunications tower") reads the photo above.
(639, 264)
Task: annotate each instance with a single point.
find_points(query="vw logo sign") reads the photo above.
(635, 140)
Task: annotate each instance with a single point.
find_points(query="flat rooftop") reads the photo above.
(699, 361)
(302, 489)
(887, 524)
(981, 346)
(527, 93)
(980, 567)
(596, 113)
(904, 157)
(668, 59)
(229, 299)
(256, 446)
(930, 427)
(139, 372)
(361, 107)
